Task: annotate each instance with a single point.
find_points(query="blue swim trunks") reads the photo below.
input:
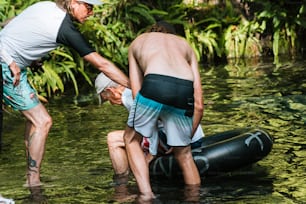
(167, 99)
(21, 97)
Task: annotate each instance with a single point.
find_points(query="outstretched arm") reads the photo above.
(108, 68)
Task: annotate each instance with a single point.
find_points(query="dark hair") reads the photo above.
(163, 27)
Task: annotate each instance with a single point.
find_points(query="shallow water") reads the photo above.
(77, 169)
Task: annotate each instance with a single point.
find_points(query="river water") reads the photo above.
(76, 167)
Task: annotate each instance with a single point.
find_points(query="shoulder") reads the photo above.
(43, 11)
(139, 39)
(177, 38)
(136, 43)
(44, 5)
(143, 35)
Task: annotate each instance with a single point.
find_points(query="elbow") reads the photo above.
(199, 109)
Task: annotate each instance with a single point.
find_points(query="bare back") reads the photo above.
(164, 54)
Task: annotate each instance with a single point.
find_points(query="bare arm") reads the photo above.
(15, 69)
(135, 72)
(108, 68)
(198, 93)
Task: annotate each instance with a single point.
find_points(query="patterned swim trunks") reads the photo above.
(21, 97)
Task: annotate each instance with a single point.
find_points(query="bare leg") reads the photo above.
(190, 172)
(117, 153)
(38, 125)
(138, 163)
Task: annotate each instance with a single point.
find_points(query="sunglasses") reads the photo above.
(89, 7)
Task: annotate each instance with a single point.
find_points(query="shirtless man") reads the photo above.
(166, 84)
(117, 94)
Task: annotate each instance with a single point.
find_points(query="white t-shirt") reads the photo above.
(36, 31)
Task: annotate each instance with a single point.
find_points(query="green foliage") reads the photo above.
(55, 72)
(240, 41)
(204, 41)
(202, 33)
(215, 31)
(114, 26)
(285, 19)
(7, 11)
(205, 29)
(10, 8)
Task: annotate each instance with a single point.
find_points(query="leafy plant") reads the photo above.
(114, 26)
(285, 18)
(214, 31)
(59, 69)
(241, 40)
(204, 41)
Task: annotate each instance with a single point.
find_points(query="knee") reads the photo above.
(45, 123)
(48, 122)
(129, 135)
(115, 139)
(110, 138)
(182, 153)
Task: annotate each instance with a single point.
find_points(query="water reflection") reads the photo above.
(77, 169)
(36, 196)
(122, 194)
(192, 193)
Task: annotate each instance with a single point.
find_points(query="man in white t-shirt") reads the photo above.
(116, 94)
(29, 36)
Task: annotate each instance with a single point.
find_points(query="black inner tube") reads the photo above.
(219, 153)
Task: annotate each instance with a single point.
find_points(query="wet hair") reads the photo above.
(162, 27)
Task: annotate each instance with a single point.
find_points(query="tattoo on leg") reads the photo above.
(32, 164)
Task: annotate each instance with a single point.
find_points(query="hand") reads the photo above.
(15, 69)
(149, 157)
(169, 151)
